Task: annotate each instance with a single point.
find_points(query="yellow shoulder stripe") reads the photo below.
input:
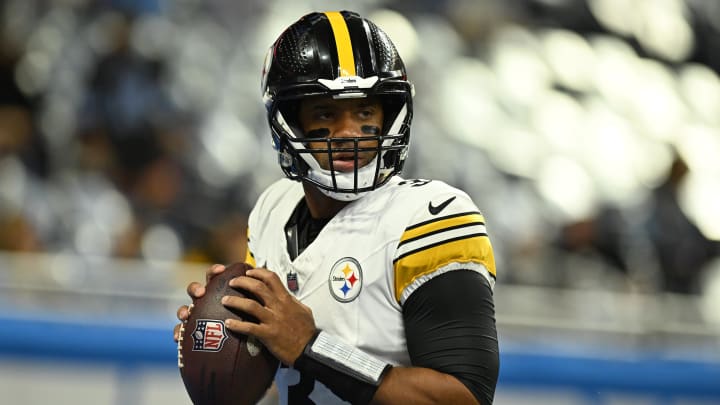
(343, 43)
(473, 248)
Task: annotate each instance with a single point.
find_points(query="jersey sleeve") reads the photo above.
(277, 197)
(249, 255)
(256, 221)
(446, 233)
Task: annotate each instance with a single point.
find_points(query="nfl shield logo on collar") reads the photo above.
(292, 282)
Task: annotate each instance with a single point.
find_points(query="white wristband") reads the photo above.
(337, 354)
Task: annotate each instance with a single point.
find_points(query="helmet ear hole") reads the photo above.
(391, 108)
(290, 111)
(390, 158)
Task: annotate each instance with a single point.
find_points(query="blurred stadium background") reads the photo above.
(133, 143)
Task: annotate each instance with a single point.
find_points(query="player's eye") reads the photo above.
(323, 115)
(366, 113)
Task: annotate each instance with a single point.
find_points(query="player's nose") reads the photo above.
(346, 126)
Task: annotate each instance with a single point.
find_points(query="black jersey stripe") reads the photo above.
(435, 232)
(419, 224)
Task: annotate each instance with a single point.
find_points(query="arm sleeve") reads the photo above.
(450, 327)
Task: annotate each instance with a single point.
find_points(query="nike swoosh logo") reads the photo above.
(436, 210)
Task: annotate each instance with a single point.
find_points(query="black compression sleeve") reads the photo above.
(450, 327)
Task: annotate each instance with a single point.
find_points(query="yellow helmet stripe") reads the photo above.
(343, 43)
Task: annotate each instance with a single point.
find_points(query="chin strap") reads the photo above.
(335, 195)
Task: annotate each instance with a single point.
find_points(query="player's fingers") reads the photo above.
(195, 290)
(257, 287)
(270, 278)
(245, 328)
(183, 313)
(247, 306)
(213, 271)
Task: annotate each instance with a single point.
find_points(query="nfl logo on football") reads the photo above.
(209, 335)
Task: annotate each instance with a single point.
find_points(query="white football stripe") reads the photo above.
(442, 270)
(439, 237)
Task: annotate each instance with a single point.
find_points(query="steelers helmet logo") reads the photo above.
(345, 279)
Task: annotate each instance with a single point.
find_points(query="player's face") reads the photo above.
(341, 120)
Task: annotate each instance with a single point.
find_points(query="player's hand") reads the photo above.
(285, 325)
(195, 290)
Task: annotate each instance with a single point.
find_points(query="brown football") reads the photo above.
(219, 366)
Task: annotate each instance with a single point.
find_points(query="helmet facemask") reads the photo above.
(295, 152)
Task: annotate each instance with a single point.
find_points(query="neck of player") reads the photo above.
(320, 205)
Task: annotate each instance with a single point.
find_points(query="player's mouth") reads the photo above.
(345, 162)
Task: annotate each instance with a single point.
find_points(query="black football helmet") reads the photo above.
(342, 55)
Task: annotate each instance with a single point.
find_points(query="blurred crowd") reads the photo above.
(134, 129)
(95, 157)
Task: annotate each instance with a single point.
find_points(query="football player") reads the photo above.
(372, 288)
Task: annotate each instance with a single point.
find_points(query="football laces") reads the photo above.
(180, 338)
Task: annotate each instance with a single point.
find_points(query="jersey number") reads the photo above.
(299, 394)
(414, 182)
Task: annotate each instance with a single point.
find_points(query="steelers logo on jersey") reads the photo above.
(345, 279)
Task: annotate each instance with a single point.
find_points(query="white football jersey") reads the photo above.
(366, 261)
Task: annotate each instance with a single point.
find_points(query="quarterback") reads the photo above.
(372, 288)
